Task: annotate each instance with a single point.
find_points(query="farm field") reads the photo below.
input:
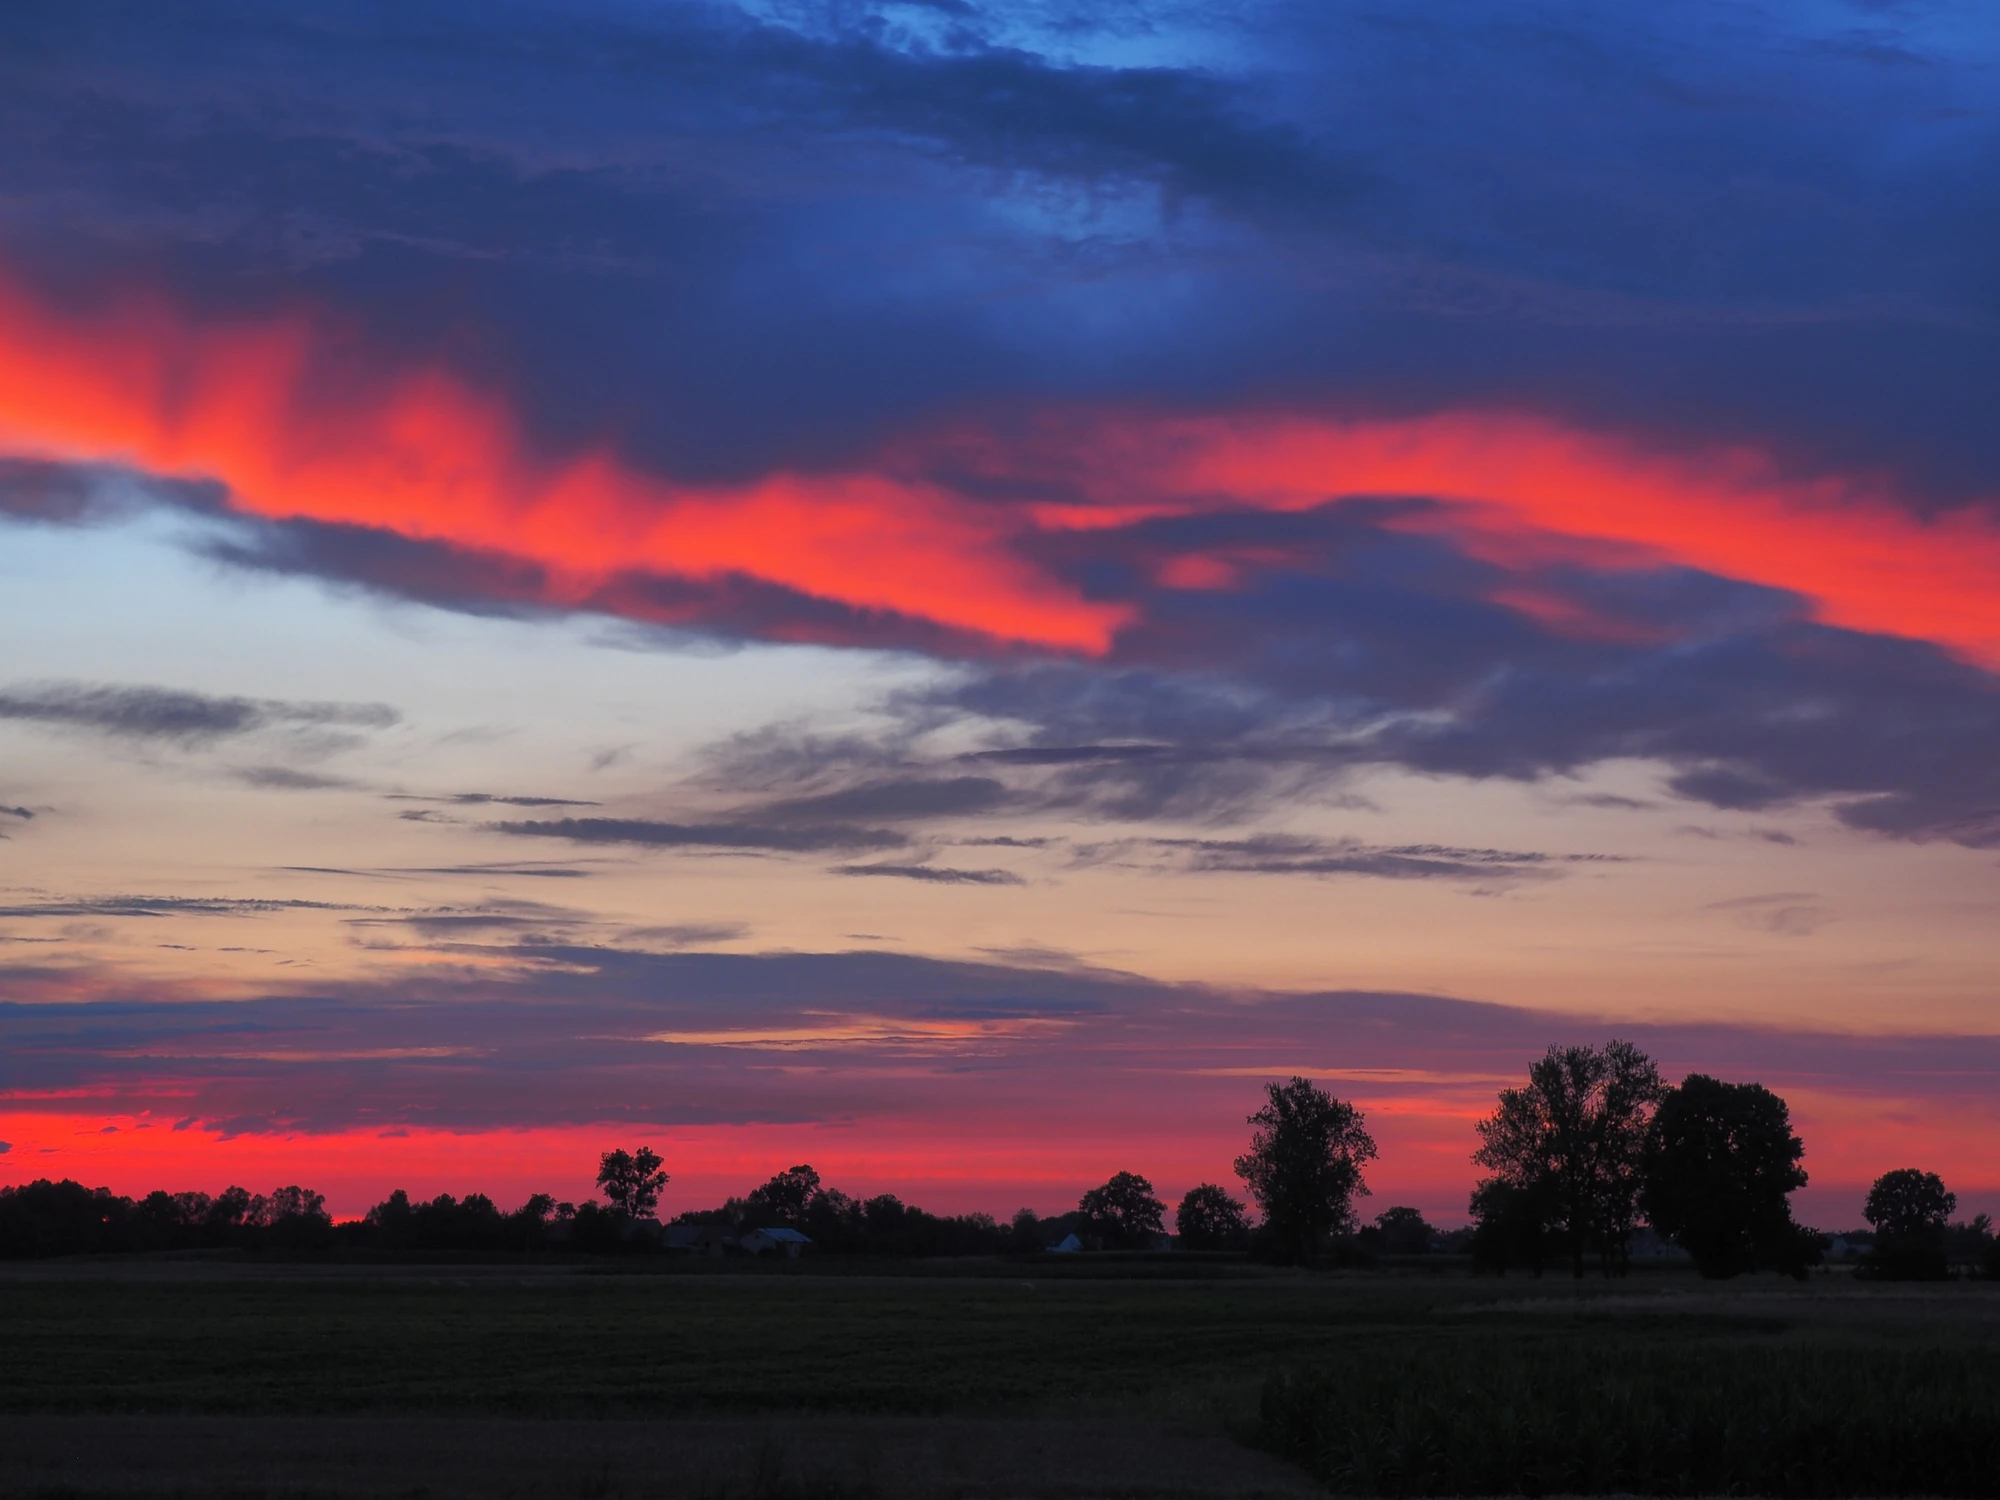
(177, 1377)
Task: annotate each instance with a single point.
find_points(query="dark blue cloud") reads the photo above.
(1347, 642)
(1300, 677)
(736, 241)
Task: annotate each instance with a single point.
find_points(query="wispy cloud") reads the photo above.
(649, 833)
(1787, 913)
(1290, 854)
(289, 779)
(933, 874)
(484, 799)
(187, 718)
(169, 906)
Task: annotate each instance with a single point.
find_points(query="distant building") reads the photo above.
(698, 1239)
(763, 1241)
(1069, 1244)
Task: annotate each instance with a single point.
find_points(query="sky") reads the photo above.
(947, 589)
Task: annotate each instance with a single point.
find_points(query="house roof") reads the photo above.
(784, 1236)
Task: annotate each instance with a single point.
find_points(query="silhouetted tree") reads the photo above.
(1720, 1160)
(447, 1223)
(44, 1218)
(1909, 1210)
(528, 1226)
(632, 1181)
(598, 1230)
(1304, 1165)
(295, 1218)
(1404, 1232)
(1124, 1211)
(1209, 1219)
(834, 1221)
(1575, 1138)
(172, 1221)
(231, 1213)
(393, 1222)
(1510, 1226)
(838, 1224)
(1024, 1233)
(66, 1218)
(785, 1199)
(1966, 1244)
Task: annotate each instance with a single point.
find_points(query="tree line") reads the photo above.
(1595, 1143)
(1592, 1146)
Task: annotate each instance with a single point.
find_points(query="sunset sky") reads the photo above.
(944, 589)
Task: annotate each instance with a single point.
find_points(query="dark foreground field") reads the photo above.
(201, 1379)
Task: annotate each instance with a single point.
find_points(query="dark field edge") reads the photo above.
(1618, 1415)
(787, 1459)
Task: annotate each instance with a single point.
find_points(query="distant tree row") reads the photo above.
(47, 1218)
(841, 1225)
(1592, 1145)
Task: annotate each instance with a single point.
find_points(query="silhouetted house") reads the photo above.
(787, 1241)
(1069, 1244)
(641, 1231)
(698, 1239)
(1655, 1250)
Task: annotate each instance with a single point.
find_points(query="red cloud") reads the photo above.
(268, 409)
(286, 413)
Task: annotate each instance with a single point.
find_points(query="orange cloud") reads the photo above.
(291, 417)
(275, 411)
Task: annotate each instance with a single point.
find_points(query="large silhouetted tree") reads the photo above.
(1909, 1210)
(1209, 1219)
(1720, 1160)
(1124, 1211)
(632, 1181)
(1571, 1142)
(295, 1218)
(1304, 1165)
(786, 1198)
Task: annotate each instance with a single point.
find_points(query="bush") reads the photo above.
(1896, 1258)
(1209, 1219)
(1507, 1418)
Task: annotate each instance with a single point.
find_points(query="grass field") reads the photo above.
(1423, 1385)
